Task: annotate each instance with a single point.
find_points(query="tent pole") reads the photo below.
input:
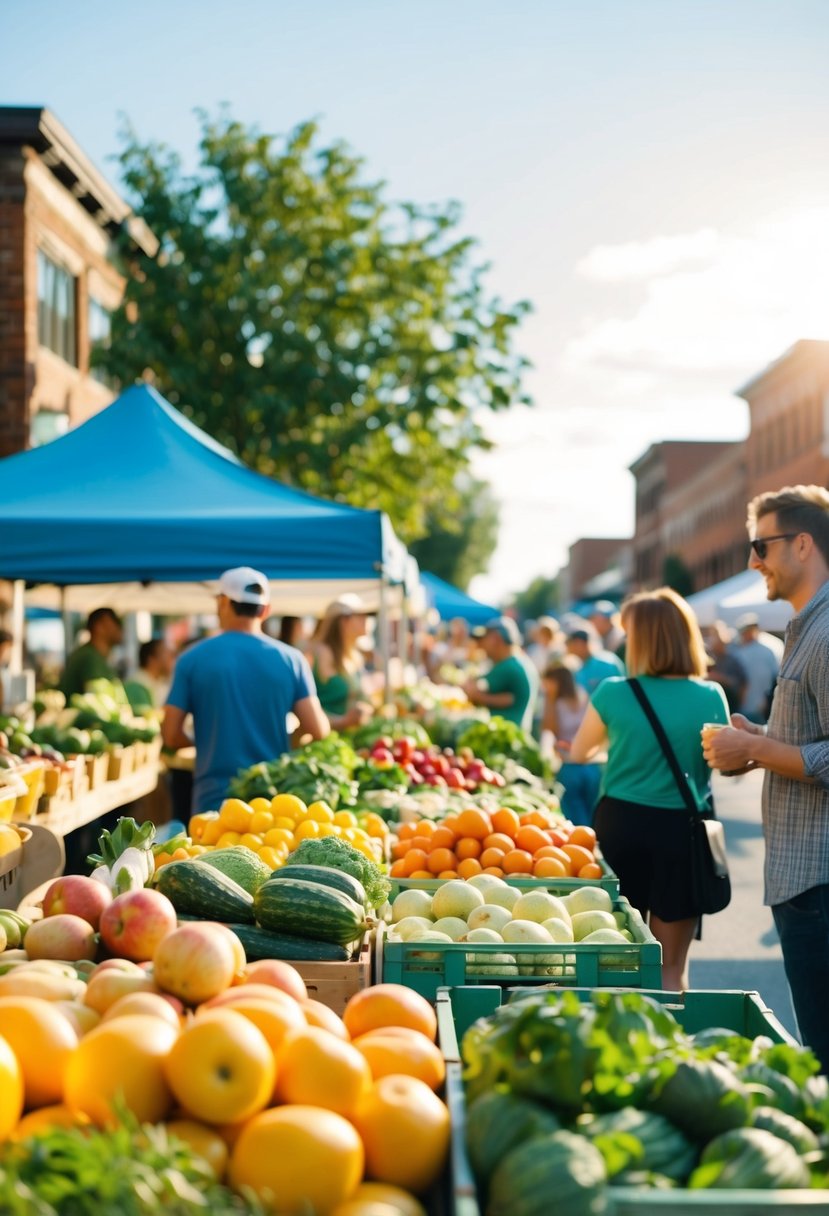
(18, 627)
(383, 630)
(403, 632)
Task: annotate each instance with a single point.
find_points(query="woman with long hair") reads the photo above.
(565, 705)
(337, 662)
(641, 821)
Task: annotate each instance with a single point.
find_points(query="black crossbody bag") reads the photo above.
(710, 881)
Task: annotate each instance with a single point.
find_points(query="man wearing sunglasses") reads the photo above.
(790, 548)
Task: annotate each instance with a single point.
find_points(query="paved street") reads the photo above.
(740, 947)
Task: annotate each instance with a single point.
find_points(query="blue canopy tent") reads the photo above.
(449, 602)
(138, 508)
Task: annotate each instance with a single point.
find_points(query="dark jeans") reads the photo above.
(803, 926)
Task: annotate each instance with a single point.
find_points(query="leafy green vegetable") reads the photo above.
(497, 741)
(372, 777)
(126, 1171)
(333, 851)
(401, 728)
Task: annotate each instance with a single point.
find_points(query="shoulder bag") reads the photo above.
(710, 881)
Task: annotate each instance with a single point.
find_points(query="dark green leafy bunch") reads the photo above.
(331, 338)
(308, 778)
(126, 1171)
(496, 741)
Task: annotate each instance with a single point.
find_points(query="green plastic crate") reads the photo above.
(559, 886)
(428, 966)
(743, 1012)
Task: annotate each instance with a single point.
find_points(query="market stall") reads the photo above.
(449, 601)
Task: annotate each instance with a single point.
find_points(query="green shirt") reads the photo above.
(84, 664)
(636, 769)
(516, 675)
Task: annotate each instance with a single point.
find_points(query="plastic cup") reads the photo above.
(708, 729)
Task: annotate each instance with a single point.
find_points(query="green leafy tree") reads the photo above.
(333, 340)
(461, 547)
(539, 599)
(676, 574)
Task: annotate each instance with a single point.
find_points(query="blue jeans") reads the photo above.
(581, 791)
(803, 926)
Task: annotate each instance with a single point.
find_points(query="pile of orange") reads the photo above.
(530, 845)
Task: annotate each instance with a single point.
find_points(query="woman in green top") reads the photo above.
(337, 663)
(641, 820)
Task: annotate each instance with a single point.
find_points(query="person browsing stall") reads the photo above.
(91, 660)
(789, 532)
(510, 687)
(338, 663)
(240, 687)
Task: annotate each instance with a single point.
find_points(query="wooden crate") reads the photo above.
(121, 762)
(39, 860)
(334, 983)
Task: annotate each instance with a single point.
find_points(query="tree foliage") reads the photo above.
(539, 599)
(332, 339)
(675, 574)
(461, 547)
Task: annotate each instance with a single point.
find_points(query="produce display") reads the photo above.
(567, 1093)
(537, 844)
(176, 1076)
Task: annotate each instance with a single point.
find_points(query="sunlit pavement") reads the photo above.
(739, 947)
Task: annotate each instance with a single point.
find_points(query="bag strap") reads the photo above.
(662, 739)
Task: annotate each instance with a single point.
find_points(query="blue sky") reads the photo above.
(651, 174)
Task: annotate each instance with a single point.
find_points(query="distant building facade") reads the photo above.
(58, 279)
(598, 568)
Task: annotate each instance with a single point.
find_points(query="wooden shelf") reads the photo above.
(107, 797)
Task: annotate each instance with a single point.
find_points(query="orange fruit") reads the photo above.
(315, 1068)
(35, 1122)
(404, 1052)
(389, 1005)
(151, 1003)
(536, 819)
(550, 867)
(416, 859)
(442, 838)
(382, 1199)
(43, 1040)
(250, 990)
(469, 867)
(506, 820)
(493, 857)
(583, 835)
(421, 874)
(399, 850)
(552, 850)
(11, 1090)
(275, 1022)
(317, 1014)
(405, 832)
(204, 1141)
(274, 973)
(448, 874)
(426, 827)
(499, 840)
(123, 1059)
(440, 860)
(474, 823)
(450, 821)
(578, 857)
(398, 869)
(405, 1129)
(298, 1158)
(422, 842)
(591, 870)
(518, 861)
(468, 846)
(495, 870)
(531, 838)
(221, 1068)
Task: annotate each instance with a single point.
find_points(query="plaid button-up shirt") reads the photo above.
(796, 813)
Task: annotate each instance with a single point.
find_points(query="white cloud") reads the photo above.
(644, 259)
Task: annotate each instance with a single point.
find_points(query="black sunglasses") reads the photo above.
(761, 544)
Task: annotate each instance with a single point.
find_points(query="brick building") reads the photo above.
(704, 519)
(788, 441)
(590, 557)
(58, 279)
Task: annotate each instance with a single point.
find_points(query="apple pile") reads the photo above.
(461, 770)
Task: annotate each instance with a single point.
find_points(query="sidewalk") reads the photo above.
(739, 947)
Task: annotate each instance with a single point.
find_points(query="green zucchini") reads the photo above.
(326, 876)
(306, 909)
(204, 891)
(261, 943)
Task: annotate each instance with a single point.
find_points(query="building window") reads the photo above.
(56, 319)
(100, 332)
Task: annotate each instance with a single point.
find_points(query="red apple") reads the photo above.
(79, 896)
(195, 963)
(61, 937)
(135, 922)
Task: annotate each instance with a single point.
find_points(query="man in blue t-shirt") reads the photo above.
(240, 687)
(595, 664)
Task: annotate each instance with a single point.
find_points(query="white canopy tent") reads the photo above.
(734, 597)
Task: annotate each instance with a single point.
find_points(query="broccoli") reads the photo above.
(332, 851)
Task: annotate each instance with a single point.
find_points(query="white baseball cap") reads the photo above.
(244, 585)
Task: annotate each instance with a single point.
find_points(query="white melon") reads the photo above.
(588, 899)
(489, 916)
(525, 931)
(412, 902)
(411, 926)
(495, 965)
(539, 906)
(585, 923)
(451, 925)
(483, 935)
(456, 898)
(558, 930)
